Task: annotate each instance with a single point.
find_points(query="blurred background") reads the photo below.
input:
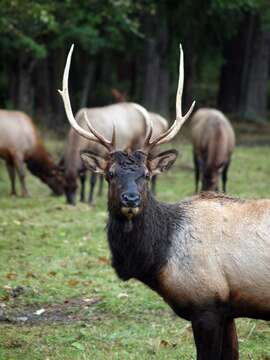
(128, 50)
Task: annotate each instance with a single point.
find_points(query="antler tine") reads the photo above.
(100, 138)
(65, 96)
(148, 121)
(179, 121)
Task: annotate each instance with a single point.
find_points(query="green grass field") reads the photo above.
(59, 296)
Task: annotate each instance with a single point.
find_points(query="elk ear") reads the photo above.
(162, 161)
(93, 162)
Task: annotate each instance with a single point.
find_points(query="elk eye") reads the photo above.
(110, 174)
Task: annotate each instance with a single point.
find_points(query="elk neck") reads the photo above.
(38, 161)
(141, 248)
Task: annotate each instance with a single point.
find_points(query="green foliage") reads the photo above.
(95, 24)
(34, 31)
(35, 26)
(229, 13)
(24, 24)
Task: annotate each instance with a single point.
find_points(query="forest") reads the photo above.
(128, 50)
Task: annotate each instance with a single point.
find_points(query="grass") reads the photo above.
(55, 257)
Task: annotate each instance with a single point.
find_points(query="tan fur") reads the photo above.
(213, 142)
(205, 125)
(17, 134)
(20, 142)
(228, 259)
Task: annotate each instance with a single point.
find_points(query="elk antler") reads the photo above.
(93, 135)
(179, 121)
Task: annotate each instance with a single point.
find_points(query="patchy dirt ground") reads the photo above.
(69, 311)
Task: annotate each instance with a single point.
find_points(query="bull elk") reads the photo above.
(20, 143)
(213, 142)
(207, 256)
(128, 119)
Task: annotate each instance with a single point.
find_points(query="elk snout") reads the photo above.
(130, 199)
(71, 198)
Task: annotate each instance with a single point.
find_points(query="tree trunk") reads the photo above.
(163, 93)
(25, 91)
(43, 93)
(87, 83)
(243, 82)
(190, 76)
(151, 79)
(254, 91)
(57, 58)
(155, 92)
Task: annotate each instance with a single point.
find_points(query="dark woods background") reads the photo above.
(132, 46)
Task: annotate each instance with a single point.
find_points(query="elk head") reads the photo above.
(210, 177)
(48, 172)
(56, 181)
(128, 172)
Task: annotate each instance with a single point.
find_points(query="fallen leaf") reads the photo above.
(52, 273)
(39, 312)
(91, 301)
(164, 343)
(31, 275)
(87, 282)
(122, 296)
(5, 298)
(11, 276)
(78, 346)
(73, 282)
(7, 288)
(104, 260)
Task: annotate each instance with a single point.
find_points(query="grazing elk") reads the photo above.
(129, 120)
(213, 142)
(20, 143)
(207, 256)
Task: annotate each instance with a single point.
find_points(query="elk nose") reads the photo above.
(130, 199)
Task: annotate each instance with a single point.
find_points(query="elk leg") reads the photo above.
(224, 176)
(230, 349)
(93, 180)
(12, 176)
(208, 335)
(19, 165)
(154, 184)
(82, 179)
(101, 181)
(197, 172)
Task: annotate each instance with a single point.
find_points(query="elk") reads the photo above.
(20, 143)
(129, 120)
(207, 256)
(213, 142)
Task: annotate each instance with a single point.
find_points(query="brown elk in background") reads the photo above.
(20, 143)
(207, 256)
(213, 142)
(119, 96)
(129, 121)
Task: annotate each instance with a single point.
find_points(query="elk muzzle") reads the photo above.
(130, 204)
